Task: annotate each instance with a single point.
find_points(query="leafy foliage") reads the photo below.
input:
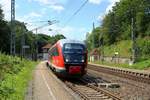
(143, 48)
(116, 26)
(14, 76)
(22, 31)
(123, 48)
(44, 39)
(93, 39)
(142, 65)
(4, 34)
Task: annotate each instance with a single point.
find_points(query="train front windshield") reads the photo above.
(74, 53)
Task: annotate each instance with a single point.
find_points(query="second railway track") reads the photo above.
(132, 86)
(132, 75)
(89, 91)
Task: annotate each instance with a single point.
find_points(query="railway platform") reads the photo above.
(46, 86)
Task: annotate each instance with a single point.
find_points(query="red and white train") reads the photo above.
(68, 58)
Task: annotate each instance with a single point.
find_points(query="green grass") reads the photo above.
(142, 64)
(15, 77)
(123, 48)
(139, 65)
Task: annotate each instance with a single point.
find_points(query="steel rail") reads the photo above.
(100, 93)
(133, 75)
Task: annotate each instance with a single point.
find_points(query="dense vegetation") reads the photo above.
(116, 26)
(21, 30)
(142, 65)
(16, 72)
(4, 33)
(14, 76)
(119, 47)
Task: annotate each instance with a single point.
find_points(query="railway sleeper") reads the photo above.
(109, 85)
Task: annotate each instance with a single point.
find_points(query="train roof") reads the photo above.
(63, 41)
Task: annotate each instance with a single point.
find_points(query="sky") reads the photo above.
(36, 13)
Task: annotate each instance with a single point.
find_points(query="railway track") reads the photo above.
(88, 89)
(102, 84)
(132, 87)
(133, 75)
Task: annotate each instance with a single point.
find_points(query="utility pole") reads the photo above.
(36, 44)
(93, 26)
(133, 58)
(23, 42)
(13, 35)
(93, 36)
(101, 47)
(133, 40)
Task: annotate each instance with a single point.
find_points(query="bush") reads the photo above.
(143, 49)
(142, 65)
(14, 76)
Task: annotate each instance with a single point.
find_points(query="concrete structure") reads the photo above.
(117, 59)
(94, 55)
(45, 51)
(46, 86)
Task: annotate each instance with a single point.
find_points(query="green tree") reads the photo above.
(4, 34)
(116, 25)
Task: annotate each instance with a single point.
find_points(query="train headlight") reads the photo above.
(67, 60)
(82, 60)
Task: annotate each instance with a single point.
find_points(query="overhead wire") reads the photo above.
(76, 12)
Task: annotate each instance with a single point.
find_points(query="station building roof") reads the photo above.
(95, 52)
(47, 46)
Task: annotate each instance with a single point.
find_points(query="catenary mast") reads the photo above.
(13, 35)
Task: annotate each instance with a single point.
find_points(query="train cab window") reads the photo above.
(55, 52)
(73, 46)
(70, 47)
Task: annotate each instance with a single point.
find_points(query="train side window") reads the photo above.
(51, 52)
(55, 52)
(50, 55)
